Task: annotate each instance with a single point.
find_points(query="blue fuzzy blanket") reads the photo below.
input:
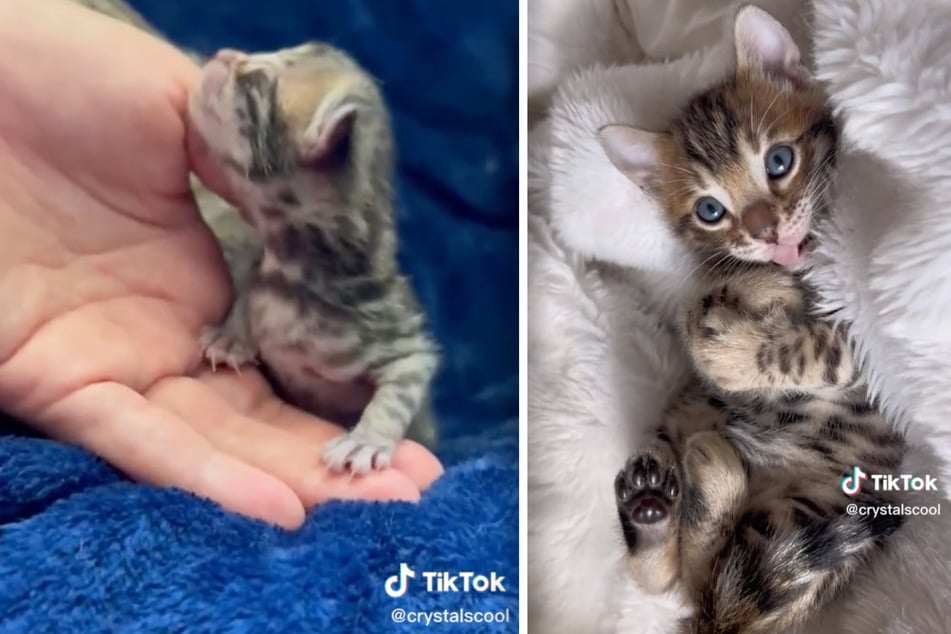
(82, 549)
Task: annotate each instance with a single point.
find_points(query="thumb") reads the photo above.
(206, 167)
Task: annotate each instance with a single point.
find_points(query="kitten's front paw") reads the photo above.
(714, 314)
(724, 341)
(358, 453)
(646, 489)
(730, 360)
(220, 347)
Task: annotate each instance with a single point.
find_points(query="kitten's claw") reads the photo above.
(358, 454)
(220, 348)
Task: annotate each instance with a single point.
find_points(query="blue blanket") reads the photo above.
(82, 549)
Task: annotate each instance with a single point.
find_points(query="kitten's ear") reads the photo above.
(763, 45)
(330, 128)
(634, 152)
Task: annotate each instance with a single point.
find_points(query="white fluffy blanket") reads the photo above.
(602, 362)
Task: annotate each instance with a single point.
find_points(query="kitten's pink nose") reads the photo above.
(215, 76)
(760, 220)
(229, 55)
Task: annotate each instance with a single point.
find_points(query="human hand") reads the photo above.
(107, 274)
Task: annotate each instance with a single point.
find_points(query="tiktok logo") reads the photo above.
(444, 581)
(851, 485)
(396, 585)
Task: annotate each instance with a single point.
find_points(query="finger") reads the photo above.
(250, 394)
(244, 391)
(295, 458)
(152, 445)
(418, 463)
(204, 165)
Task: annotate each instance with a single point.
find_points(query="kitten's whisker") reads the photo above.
(686, 191)
(731, 265)
(759, 126)
(689, 276)
(679, 168)
(776, 120)
(752, 127)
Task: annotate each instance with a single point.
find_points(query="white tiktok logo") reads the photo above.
(852, 485)
(396, 585)
(443, 581)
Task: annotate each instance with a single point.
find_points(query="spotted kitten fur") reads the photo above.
(736, 499)
(303, 138)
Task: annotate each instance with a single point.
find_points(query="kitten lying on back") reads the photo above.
(302, 138)
(736, 501)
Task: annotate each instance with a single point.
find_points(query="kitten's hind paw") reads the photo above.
(221, 348)
(358, 453)
(648, 492)
(646, 489)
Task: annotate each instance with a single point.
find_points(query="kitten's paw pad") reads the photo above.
(646, 489)
(221, 348)
(358, 454)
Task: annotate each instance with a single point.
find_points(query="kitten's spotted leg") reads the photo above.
(647, 491)
(401, 386)
(715, 487)
(676, 492)
(780, 349)
(674, 519)
(807, 354)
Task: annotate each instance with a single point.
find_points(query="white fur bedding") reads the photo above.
(601, 361)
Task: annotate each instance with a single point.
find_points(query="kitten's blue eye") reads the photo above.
(710, 209)
(779, 160)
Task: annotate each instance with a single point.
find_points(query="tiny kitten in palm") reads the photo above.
(736, 501)
(303, 141)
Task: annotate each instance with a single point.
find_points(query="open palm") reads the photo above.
(107, 273)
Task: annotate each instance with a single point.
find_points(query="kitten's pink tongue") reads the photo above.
(788, 254)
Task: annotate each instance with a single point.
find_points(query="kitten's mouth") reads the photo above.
(808, 245)
(793, 255)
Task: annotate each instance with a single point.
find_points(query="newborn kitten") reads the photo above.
(303, 139)
(737, 499)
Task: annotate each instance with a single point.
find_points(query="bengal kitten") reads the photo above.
(736, 500)
(303, 138)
